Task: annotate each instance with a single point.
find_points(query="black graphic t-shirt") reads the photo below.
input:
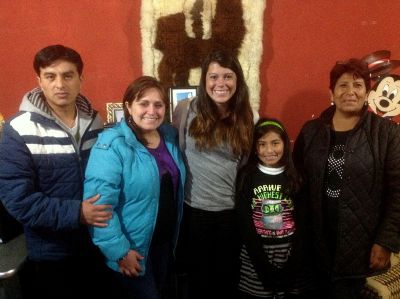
(272, 208)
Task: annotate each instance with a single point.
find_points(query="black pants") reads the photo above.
(342, 289)
(207, 254)
(73, 277)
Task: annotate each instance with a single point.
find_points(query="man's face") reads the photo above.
(60, 83)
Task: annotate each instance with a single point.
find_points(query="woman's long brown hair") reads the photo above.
(236, 130)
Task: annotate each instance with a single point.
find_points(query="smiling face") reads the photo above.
(270, 148)
(148, 111)
(60, 83)
(220, 84)
(385, 97)
(349, 94)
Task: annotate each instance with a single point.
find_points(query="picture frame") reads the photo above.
(115, 112)
(177, 94)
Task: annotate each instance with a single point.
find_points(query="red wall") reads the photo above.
(302, 41)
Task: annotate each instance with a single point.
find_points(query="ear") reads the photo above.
(39, 81)
(331, 95)
(367, 95)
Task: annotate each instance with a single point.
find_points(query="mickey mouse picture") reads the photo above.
(384, 97)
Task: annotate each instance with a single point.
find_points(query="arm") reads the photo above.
(129, 265)
(20, 193)
(380, 257)
(104, 176)
(388, 234)
(248, 233)
(95, 214)
(180, 113)
(179, 120)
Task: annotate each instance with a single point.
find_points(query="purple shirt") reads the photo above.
(165, 163)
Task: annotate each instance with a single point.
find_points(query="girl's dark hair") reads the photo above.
(207, 128)
(357, 67)
(262, 127)
(135, 91)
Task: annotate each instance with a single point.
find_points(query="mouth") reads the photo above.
(62, 94)
(220, 92)
(271, 157)
(350, 102)
(150, 118)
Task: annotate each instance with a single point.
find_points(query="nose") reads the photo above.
(152, 109)
(268, 149)
(220, 80)
(59, 82)
(351, 89)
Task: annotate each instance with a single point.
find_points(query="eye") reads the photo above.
(213, 77)
(359, 85)
(229, 77)
(276, 143)
(385, 90)
(393, 94)
(143, 103)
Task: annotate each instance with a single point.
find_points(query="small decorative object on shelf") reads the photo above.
(115, 112)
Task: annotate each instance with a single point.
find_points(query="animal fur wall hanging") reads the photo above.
(177, 34)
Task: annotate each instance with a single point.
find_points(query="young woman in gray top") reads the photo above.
(215, 133)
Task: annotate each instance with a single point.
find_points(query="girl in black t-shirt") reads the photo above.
(265, 210)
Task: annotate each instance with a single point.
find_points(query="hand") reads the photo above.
(380, 258)
(96, 215)
(130, 266)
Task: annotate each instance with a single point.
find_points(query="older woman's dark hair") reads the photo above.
(50, 54)
(207, 128)
(357, 67)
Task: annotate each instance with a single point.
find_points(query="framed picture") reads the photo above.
(115, 112)
(177, 94)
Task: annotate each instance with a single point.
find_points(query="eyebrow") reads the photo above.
(212, 73)
(53, 73)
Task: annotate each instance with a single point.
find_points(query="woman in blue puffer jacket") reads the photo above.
(137, 168)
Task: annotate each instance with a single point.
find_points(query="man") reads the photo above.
(43, 154)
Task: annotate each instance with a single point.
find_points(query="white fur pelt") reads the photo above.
(250, 52)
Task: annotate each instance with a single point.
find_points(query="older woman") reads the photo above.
(350, 159)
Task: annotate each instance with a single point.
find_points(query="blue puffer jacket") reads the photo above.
(41, 176)
(126, 176)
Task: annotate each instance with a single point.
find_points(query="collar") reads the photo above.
(271, 170)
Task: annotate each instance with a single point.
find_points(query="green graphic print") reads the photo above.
(272, 212)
